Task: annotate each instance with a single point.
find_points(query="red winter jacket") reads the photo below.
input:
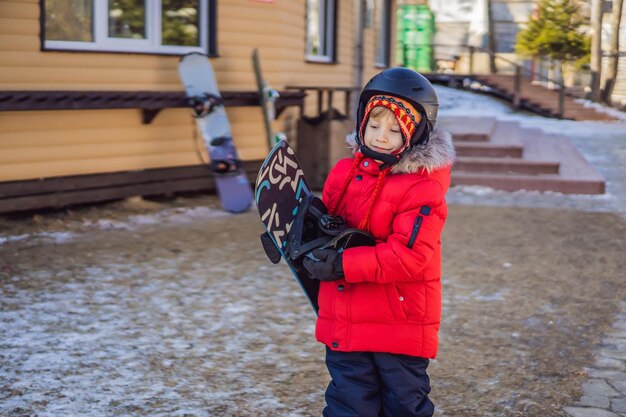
(390, 299)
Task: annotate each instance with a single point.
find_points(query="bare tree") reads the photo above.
(597, 8)
(611, 73)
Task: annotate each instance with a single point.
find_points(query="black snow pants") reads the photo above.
(367, 384)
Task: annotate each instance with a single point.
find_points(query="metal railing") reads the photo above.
(519, 71)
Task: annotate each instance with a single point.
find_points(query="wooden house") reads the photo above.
(92, 109)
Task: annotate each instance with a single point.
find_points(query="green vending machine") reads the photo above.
(415, 34)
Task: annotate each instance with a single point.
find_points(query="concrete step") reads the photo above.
(573, 166)
(517, 158)
(505, 166)
(468, 129)
(470, 137)
(544, 182)
(506, 132)
(488, 150)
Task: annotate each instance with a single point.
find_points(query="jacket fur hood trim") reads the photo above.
(437, 153)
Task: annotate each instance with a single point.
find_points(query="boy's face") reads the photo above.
(382, 134)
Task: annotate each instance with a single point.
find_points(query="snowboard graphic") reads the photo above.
(268, 97)
(233, 187)
(295, 220)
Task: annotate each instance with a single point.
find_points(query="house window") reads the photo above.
(142, 26)
(321, 22)
(383, 33)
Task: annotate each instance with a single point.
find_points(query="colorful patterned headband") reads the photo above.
(408, 118)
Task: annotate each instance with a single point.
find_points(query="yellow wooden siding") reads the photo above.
(36, 144)
(102, 141)
(19, 9)
(17, 26)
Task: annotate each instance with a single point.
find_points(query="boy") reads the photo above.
(380, 306)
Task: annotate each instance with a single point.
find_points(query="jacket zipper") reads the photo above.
(424, 211)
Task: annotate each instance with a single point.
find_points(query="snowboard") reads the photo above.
(267, 99)
(295, 220)
(233, 186)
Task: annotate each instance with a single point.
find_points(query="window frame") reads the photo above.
(329, 20)
(383, 35)
(151, 45)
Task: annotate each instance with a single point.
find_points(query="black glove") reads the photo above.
(328, 267)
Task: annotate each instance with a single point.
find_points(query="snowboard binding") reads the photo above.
(204, 104)
(224, 166)
(313, 228)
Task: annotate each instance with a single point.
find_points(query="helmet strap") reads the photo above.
(387, 159)
(422, 135)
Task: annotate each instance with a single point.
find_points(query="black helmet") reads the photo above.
(408, 85)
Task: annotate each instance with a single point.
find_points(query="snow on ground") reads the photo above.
(179, 215)
(170, 216)
(155, 314)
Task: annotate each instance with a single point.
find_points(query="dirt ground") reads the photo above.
(161, 308)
